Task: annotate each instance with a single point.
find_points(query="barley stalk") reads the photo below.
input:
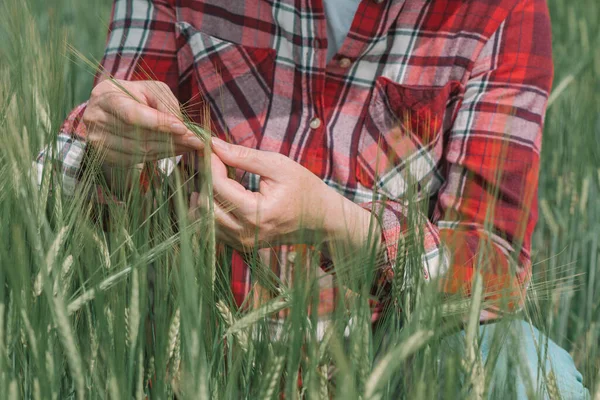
(139, 392)
(50, 363)
(472, 363)
(13, 390)
(30, 333)
(203, 381)
(134, 309)
(62, 284)
(37, 391)
(44, 190)
(211, 215)
(113, 388)
(10, 324)
(95, 346)
(3, 352)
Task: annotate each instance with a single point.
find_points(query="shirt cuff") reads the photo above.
(69, 153)
(422, 236)
(392, 220)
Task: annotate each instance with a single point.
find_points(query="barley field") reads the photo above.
(80, 318)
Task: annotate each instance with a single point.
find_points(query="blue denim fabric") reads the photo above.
(517, 368)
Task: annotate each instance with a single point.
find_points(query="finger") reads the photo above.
(139, 148)
(235, 239)
(226, 220)
(222, 211)
(226, 224)
(259, 162)
(160, 96)
(153, 93)
(217, 167)
(193, 207)
(104, 124)
(230, 192)
(226, 190)
(131, 112)
(143, 135)
(111, 127)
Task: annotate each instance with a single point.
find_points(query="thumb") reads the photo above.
(255, 161)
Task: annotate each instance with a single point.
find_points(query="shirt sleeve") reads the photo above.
(491, 163)
(141, 45)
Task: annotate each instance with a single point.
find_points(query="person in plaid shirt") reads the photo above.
(335, 110)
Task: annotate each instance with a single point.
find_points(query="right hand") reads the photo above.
(126, 131)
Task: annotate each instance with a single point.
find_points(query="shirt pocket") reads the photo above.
(401, 142)
(234, 80)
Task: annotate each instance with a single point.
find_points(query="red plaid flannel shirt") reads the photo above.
(445, 95)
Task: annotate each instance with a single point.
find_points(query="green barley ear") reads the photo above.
(272, 380)
(139, 389)
(259, 314)
(552, 387)
(173, 336)
(384, 370)
(67, 337)
(240, 334)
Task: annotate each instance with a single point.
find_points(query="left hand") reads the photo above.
(292, 205)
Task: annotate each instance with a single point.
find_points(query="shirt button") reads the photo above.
(345, 62)
(291, 257)
(315, 123)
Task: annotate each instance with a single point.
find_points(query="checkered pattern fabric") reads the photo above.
(439, 100)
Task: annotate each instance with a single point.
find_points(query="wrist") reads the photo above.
(349, 225)
(119, 180)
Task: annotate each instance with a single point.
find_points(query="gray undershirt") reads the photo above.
(339, 15)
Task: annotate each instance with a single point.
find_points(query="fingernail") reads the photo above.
(220, 144)
(178, 128)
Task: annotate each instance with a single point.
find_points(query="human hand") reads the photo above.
(138, 126)
(292, 205)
